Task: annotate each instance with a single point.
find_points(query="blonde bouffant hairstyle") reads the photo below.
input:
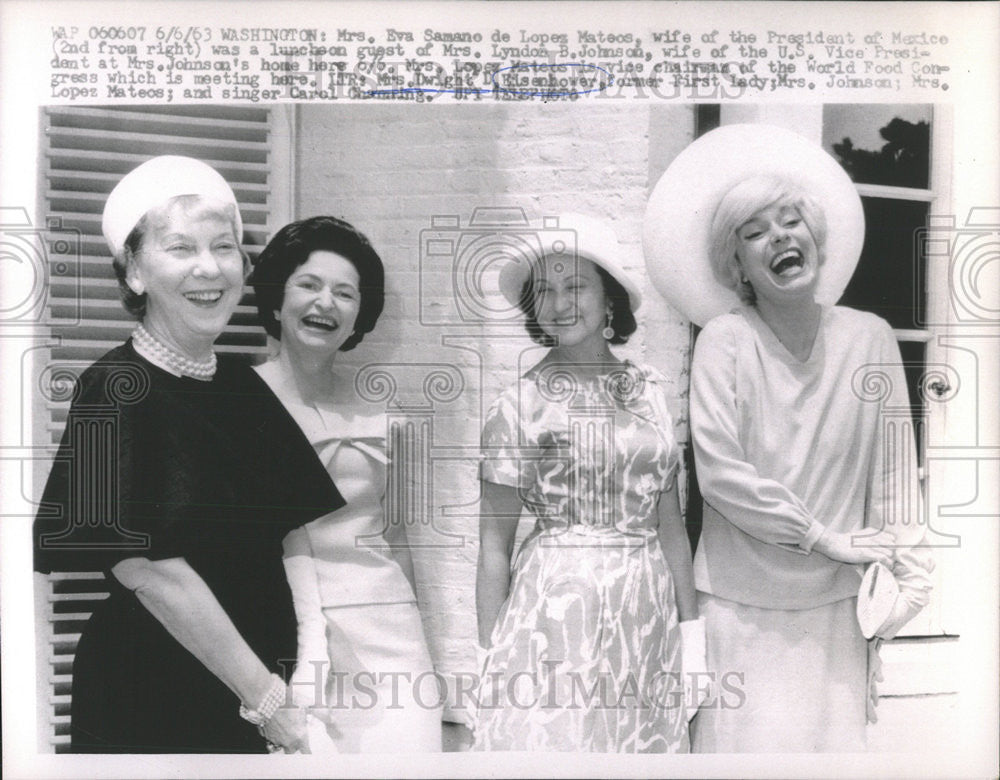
(737, 206)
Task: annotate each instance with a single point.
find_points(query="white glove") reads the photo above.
(321, 742)
(902, 613)
(694, 663)
(481, 653)
(875, 676)
(312, 667)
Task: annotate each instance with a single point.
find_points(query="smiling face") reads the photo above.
(191, 269)
(570, 304)
(322, 298)
(778, 254)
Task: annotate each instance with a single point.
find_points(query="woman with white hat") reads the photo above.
(178, 476)
(805, 476)
(584, 649)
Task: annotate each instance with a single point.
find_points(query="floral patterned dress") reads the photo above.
(585, 654)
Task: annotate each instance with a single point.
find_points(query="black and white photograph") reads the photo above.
(416, 417)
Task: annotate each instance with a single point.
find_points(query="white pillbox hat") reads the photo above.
(154, 183)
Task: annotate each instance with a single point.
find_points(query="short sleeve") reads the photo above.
(112, 485)
(503, 447)
(655, 389)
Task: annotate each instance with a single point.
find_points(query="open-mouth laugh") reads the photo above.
(204, 297)
(787, 263)
(317, 322)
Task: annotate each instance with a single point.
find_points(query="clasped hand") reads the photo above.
(287, 729)
(858, 547)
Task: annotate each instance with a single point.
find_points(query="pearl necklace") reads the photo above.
(156, 352)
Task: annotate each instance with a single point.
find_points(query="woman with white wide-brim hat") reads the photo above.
(753, 232)
(584, 645)
(178, 475)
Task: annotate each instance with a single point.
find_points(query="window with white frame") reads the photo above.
(898, 157)
(886, 150)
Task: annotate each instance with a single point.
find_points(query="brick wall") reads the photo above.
(389, 170)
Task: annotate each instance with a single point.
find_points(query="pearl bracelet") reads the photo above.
(272, 700)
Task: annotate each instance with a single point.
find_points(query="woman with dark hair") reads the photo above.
(620, 321)
(151, 486)
(807, 474)
(363, 664)
(584, 647)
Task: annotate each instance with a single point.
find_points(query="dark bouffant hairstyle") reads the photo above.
(292, 246)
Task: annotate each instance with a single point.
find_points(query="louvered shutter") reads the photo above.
(86, 151)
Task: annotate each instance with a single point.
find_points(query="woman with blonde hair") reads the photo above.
(802, 478)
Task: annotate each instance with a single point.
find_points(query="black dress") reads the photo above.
(156, 466)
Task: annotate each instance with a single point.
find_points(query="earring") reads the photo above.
(744, 280)
(137, 287)
(608, 333)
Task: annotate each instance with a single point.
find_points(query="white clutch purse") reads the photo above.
(876, 598)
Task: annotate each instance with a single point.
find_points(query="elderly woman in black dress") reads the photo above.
(178, 476)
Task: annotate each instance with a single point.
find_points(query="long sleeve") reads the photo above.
(895, 502)
(761, 507)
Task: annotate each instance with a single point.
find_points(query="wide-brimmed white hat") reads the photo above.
(676, 231)
(155, 182)
(571, 236)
